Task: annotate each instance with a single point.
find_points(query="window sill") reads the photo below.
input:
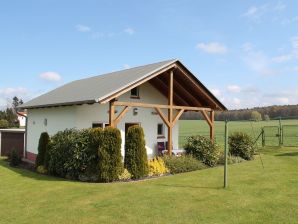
(160, 136)
(134, 97)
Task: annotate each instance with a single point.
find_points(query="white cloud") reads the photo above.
(126, 66)
(129, 31)
(216, 92)
(257, 13)
(289, 20)
(282, 58)
(212, 48)
(82, 28)
(282, 100)
(234, 88)
(50, 76)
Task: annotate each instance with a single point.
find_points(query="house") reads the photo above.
(153, 96)
(22, 118)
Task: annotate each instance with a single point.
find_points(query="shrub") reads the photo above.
(4, 123)
(241, 144)
(73, 153)
(14, 158)
(41, 169)
(181, 164)
(231, 159)
(157, 167)
(125, 175)
(135, 160)
(203, 149)
(109, 153)
(42, 149)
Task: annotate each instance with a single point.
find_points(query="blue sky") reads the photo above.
(246, 52)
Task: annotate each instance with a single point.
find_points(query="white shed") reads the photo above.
(153, 96)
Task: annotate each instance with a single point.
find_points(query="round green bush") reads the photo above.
(241, 144)
(203, 149)
(4, 123)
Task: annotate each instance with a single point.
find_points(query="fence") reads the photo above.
(265, 133)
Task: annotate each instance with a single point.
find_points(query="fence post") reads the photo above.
(280, 133)
(226, 156)
(263, 138)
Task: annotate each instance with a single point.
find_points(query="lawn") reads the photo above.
(255, 195)
(191, 127)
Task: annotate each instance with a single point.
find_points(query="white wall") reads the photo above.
(60, 118)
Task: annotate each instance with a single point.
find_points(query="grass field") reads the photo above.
(255, 195)
(190, 127)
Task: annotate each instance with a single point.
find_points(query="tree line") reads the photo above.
(8, 116)
(256, 113)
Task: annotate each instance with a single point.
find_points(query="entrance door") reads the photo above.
(127, 125)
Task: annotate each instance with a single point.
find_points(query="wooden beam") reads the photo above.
(160, 106)
(121, 115)
(178, 115)
(162, 116)
(206, 117)
(162, 87)
(111, 112)
(198, 86)
(170, 113)
(212, 126)
(139, 82)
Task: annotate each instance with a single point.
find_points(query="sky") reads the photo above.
(245, 52)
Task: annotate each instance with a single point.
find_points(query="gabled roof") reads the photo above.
(101, 88)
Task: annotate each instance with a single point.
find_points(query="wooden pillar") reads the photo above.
(170, 113)
(212, 125)
(111, 113)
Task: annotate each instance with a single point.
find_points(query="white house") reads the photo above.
(22, 118)
(153, 96)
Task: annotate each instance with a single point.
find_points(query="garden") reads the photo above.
(94, 155)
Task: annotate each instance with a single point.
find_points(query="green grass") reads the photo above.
(255, 195)
(191, 127)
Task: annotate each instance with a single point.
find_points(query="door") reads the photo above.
(127, 125)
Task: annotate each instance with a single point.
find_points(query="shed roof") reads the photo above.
(101, 87)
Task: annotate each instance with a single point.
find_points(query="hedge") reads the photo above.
(241, 144)
(135, 160)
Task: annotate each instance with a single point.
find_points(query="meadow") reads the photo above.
(200, 127)
(254, 195)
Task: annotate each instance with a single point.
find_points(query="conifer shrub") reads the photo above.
(43, 145)
(241, 144)
(109, 153)
(14, 158)
(135, 160)
(203, 149)
(157, 167)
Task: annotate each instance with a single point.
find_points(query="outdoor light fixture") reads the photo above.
(135, 111)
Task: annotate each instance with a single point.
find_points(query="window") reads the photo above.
(134, 93)
(99, 125)
(160, 130)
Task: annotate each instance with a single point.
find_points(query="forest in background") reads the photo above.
(266, 113)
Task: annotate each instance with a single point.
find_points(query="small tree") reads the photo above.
(241, 144)
(42, 149)
(14, 158)
(4, 123)
(109, 153)
(256, 116)
(135, 160)
(266, 117)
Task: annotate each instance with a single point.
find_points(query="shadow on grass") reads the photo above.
(28, 173)
(288, 154)
(187, 186)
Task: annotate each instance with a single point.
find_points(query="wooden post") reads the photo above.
(170, 113)
(111, 113)
(212, 125)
